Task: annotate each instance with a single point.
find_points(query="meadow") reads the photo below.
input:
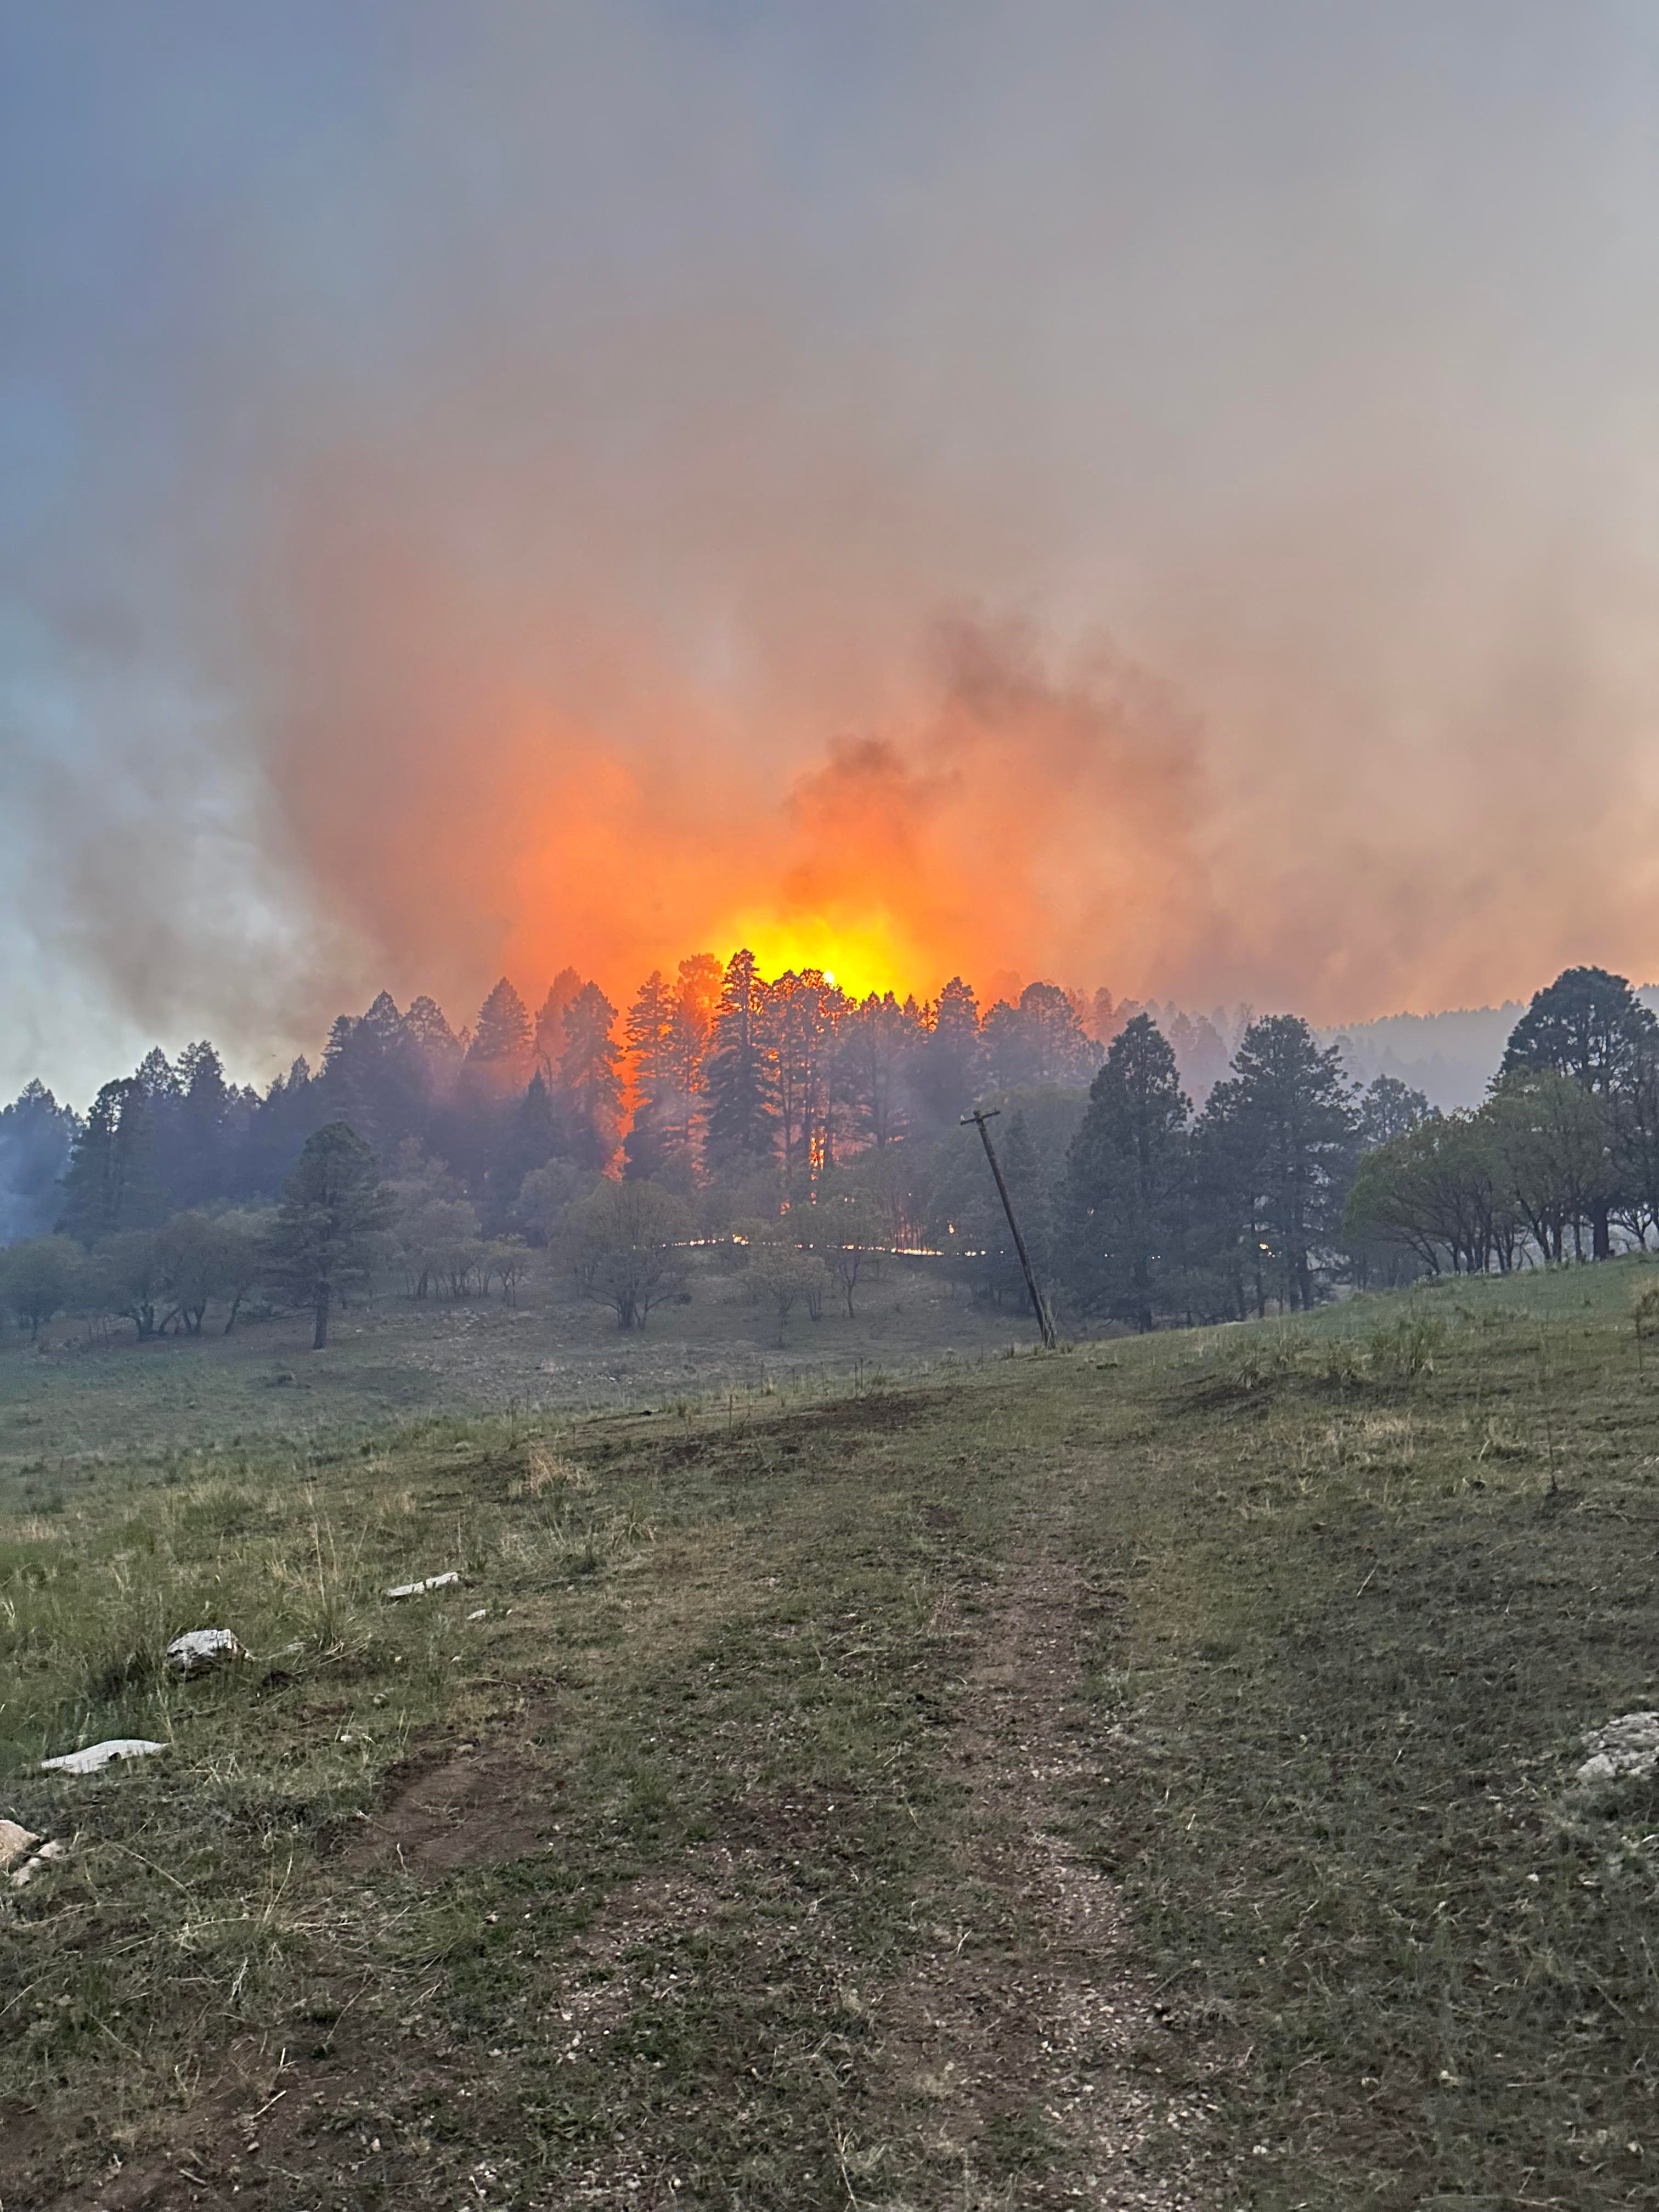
(82, 1394)
(1141, 1775)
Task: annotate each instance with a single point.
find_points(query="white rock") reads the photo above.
(1629, 1744)
(15, 1844)
(43, 1858)
(92, 1756)
(199, 1651)
(482, 1613)
(419, 1590)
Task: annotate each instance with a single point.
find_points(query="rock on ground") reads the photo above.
(199, 1651)
(1628, 1746)
(92, 1756)
(16, 1843)
(419, 1590)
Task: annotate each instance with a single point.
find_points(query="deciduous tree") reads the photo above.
(624, 1246)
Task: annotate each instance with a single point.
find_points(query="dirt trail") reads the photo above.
(986, 2025)
(1023, 2035)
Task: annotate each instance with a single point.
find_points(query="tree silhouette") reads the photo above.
(1590, 1025)
(589, 1086)
(1290, 1130)
(502, 1048)
(740, 1079)
(1126, 1176)
(334, 1209)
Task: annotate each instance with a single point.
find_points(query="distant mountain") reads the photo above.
(1452, 1056)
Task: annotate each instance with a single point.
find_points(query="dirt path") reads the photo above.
(990, 2023)
(1019, 2059)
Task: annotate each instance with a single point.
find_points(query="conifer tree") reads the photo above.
(945, 1068)
(202, 1118)
(697, 999)
(589, 1086)
(551, 1038)
(36, 1137)
(739, 1080)
(1125, 1179)
(879, 1043)
(503, 1044)
(652, 1074)
(533, 1136)
(111, 1184)
(334, 1209)
(1589, 1025)
(437, 1044)
(804, 1014)
(1291, 1133)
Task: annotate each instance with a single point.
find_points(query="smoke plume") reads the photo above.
(1155, 498)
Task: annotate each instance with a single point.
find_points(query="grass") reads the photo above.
(78, 1399)
(1141, 1776)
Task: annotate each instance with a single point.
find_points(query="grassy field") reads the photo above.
(1139, 1775)
(76, 1397)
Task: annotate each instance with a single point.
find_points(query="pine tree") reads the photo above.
(36, 1138)
(333, 1212)
(945, 1068)
(697, 999)
(879, 1043)
(111, 1184)
(549, 1021)
(202, 1118)
(1125, 1179)
(740, 1079)
(437, 1044)
(652, 1074)
(589, 1086)
(532, 1137)
(1040, 1040)
(1391, 1109)
(804, 1011)
(1589, 1025)
(1292, 1134)
(502, 1048)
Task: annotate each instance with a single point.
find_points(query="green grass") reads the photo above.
(816, 1767)
(79, 1399)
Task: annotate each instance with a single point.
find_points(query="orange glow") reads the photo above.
(858, 957)
(473, 805)
(1009, 826)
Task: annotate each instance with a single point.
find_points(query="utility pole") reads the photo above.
(1039, 1305)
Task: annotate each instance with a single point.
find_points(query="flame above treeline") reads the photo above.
(1004, 821)
(574, 1034)
(622, 481)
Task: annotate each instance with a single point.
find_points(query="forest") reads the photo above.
(1165, 1169)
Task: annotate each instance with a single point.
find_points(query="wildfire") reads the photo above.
(876, 953)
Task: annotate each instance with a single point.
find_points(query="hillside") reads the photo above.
(1141, 1775)
(1451, 1056)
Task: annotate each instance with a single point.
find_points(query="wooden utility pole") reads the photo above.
(1039, 1305)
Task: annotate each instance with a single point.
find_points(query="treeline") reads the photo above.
(711, 1074)
(819, 1132)
(1561, 1158)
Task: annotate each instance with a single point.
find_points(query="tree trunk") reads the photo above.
(319, 1337)
(1602, 1234)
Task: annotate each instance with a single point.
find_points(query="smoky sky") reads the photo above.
(1163, 497)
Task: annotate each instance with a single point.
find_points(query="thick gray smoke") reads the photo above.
(434, 439)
